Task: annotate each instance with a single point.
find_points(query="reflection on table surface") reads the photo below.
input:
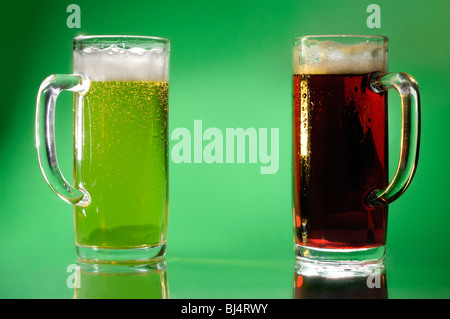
(150, 281)
(316, 281)
(121, 281)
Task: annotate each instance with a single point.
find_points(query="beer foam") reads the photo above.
(118, 64)
(330, 57)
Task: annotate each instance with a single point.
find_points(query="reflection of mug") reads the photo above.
(121, 281)
(313, 281)
(340, 150)
(120, 145)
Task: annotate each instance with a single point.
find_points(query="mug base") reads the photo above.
(109, 255)
(347, 258)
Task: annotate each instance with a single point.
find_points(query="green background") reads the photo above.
(230, 228)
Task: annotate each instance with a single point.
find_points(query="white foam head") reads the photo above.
(118, 64)
(330, 57)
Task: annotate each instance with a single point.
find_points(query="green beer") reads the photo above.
(120, 190)
(120, 158)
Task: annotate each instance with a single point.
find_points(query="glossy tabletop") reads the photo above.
(230, 227)
(221, 278)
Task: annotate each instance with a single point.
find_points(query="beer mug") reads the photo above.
(341, 187)
(120, 190)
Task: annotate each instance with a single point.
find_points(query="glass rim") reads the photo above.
(340, 36)
(88, 39)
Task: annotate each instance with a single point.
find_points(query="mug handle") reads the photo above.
(408, 89)
(45, 134)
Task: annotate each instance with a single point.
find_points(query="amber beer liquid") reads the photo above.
(340, 154)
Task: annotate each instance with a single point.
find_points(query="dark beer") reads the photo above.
(340, 154)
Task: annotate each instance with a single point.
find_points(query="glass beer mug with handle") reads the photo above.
(120, 190)
(341, 187)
